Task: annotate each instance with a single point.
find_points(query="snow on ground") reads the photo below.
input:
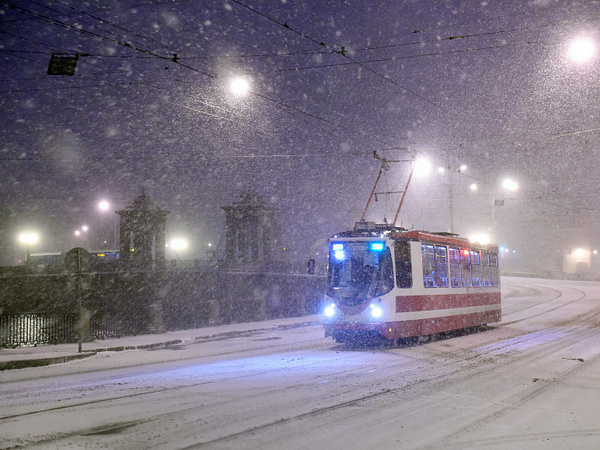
(529, 382)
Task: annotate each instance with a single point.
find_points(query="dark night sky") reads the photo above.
(489, 84)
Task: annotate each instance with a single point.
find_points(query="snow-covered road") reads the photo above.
(530, 382)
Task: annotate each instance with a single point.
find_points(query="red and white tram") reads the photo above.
(385, 281)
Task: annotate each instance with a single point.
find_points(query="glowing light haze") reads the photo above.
(582, 50)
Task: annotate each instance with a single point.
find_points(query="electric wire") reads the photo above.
(331, 50)
(339, 52)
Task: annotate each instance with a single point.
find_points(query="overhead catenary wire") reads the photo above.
(339, 52)
(172, 58)
(299, 110)
(176, 61)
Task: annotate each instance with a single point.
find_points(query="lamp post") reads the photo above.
(451, 171)
(507, 184)
(28, 238)
(104, 206)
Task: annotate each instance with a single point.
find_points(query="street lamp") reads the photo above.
(28, 238)
(104, 206)
(239, 86)
(83, 229)
(582, 50)
(480, 238)
(510, 184)
(179, 244)
(422, 166)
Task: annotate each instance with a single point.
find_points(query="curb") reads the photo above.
(25, 363)
(122, 348)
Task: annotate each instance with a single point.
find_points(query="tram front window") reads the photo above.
(359, 271)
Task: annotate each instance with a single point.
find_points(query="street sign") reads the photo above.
(62, 64)
(78, 259)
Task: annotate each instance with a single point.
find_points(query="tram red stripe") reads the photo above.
(411, 303)
(421, 327)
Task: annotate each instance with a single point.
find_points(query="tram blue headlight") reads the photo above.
(338, 251)
(329, 311)
(376, 311)
(377, 246)
(340, 255)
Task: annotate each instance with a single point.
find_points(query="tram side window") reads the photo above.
(403, 265)
(494, 275)
(486, 274)
(428, 258)
(435, 265)
(455, 278)
(386, 273)
(475, 269)
(441, 266)
(465, 267)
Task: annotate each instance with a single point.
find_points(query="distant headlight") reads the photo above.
(330, 310)
(376, 311)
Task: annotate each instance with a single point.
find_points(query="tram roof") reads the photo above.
(443, 237)
(370, 229)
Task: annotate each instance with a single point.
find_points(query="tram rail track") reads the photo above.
(419, 385)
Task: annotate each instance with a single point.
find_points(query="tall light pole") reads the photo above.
(510, 185)
(28, 238)
(104, 206)
(451, 170)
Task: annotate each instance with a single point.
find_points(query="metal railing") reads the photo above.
(18, 330)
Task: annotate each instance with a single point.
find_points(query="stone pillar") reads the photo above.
(142, 234)
(249, 232)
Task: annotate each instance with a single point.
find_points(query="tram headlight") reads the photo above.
(337, 249)
(376, 311)
(329, 311)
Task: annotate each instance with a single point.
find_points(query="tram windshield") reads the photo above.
(359, 271)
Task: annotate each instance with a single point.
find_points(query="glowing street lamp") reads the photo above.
(422, 166)
(179, 244)
(103, 205)
(239, 87)
(28, 238)
(83, 229)
(480, 238)
(510, 184)
(582, 50)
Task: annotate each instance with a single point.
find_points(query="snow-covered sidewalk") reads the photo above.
(22, 357)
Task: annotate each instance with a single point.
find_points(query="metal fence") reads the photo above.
(104, 327)
(37, 329)
(19, 330)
